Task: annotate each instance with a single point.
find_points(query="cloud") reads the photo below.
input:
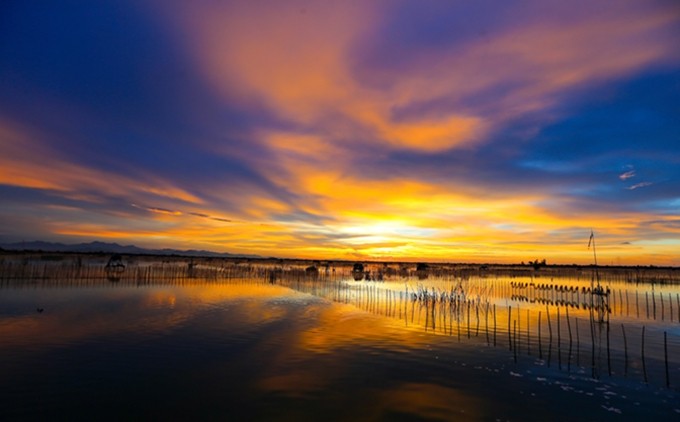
(28, 159)
(627, 175)
(157, 210)
(373, 129)
(639, 185)
(176, 213)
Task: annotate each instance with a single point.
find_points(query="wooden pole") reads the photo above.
(528, 336)
(509, 327)
(477, 315)
(494, 325)
(540, 346)
(559, 340)
(468, 319)
(486, 321)
(559, 337)
(547, 312)
(670, 303)
(625, 351)
(665, 355)
(578, 343)
(644, 366)
(592, 340)
(515, 334)
(609, 362)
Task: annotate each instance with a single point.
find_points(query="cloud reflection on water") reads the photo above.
(257, 345)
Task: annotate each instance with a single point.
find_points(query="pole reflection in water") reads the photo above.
(258, 342)
(464, 303)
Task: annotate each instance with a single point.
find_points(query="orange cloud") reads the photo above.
(27, 160)
(300, 59)
(304, 62)
(299, 64)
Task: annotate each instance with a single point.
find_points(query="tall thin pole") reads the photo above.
(597, 275)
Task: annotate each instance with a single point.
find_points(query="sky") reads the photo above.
(455, 131)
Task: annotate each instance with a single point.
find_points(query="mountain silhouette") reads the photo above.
(104, 247)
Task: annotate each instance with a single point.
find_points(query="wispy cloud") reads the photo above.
(627, 175)
(349, 129)
(156, 210)
(639, 185)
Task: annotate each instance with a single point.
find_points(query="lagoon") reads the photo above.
(271, 341)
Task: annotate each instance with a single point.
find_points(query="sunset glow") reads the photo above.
(375, 130)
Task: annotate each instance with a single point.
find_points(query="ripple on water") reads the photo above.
(268, 350)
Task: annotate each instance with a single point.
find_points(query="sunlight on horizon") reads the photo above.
(361, 131)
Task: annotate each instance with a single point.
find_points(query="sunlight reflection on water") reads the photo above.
(333, 350)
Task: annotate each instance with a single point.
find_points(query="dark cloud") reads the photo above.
(162, 210)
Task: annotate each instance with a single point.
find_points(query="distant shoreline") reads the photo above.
(51, 255)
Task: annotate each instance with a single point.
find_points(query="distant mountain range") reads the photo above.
(113, 248)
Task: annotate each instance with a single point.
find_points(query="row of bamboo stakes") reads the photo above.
(437, 312)
(464, 317)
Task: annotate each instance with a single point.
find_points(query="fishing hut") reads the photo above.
(358, 271)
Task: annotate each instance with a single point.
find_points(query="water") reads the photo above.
(299, 349)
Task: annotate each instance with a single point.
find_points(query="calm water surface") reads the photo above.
(250, 350)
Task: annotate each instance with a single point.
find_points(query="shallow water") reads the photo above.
(340, 350)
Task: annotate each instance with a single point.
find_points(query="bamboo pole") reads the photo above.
(625, 351)
(494, 325)
(663, 313)
(509, 327)
(670, 303)
(665, 355)
(528, 335)
(578, 343)
(644, 366)
(609, 361)
(486, 322)
(515, 334)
